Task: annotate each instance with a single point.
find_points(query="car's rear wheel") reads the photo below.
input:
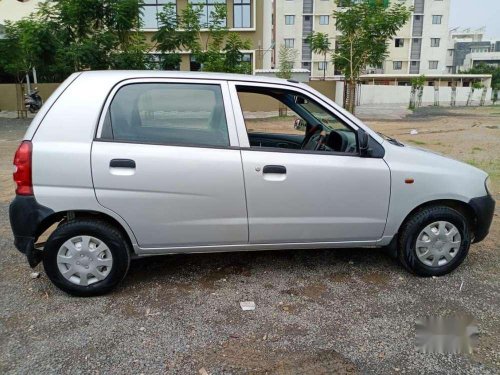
(434, 241)
(86, 258)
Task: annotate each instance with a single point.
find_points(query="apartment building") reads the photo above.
(252, 19)
(14, 10)
(466, 49)
(419, 47)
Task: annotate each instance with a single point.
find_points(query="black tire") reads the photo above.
(103, 231)
(411, 229)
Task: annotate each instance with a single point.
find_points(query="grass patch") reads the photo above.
(477, 149)
(420, 143)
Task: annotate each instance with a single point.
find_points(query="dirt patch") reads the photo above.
(241, 357)
(376, 278)
(340, 277)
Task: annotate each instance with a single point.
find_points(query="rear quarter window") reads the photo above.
(167, 113)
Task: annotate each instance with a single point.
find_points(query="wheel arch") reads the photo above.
(460, 206)
(61, 216)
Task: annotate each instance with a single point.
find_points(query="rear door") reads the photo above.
(163, 160)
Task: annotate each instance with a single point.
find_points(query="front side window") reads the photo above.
(168, 113)
(283, 119)
(207, 8)
(433, 64)
(399, 42)
(289, 43)
(242, 14)
(324, 20)
(150, 10)
(289, 20)
(397, 65)
(322, 65)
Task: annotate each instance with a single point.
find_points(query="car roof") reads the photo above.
(120, 75)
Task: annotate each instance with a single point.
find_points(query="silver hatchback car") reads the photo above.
(132, 164)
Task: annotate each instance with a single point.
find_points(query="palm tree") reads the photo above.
(320, 44)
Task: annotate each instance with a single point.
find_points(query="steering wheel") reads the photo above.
(321, 141)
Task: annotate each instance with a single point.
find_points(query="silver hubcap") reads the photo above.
(84, 260)
(438, 243)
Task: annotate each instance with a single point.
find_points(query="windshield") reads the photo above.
(329, 121)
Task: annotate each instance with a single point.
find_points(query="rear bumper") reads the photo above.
(26, 220)
(484, 208)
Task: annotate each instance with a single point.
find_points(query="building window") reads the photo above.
(322, 65)
(242, 14)
(289, 20)
(435, 42)
(306, 65)
(480, 50)
(397, 65)
(324, 20)
(399, 42)
(450, 52)
(289, 43)
(150, 10)
(194, 66)
(433, 64)
(208, 7)
(436, 20)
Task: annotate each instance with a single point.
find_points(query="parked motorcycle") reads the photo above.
(33, 101)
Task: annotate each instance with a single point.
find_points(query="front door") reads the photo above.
(163, 162)
(317, 189)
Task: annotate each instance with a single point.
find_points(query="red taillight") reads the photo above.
(22, 169)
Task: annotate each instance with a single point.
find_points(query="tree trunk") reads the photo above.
(351, 97)
(324, 68)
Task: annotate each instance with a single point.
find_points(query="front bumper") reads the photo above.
(484, 208)
(26, 220)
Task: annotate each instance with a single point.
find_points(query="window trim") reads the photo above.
(241, 5)
(243, 134)
(157, 6)
(292, 42)
(327, 19)
(226, 100)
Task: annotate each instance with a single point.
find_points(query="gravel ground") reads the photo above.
(317, 312)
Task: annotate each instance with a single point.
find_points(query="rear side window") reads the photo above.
(168, 113)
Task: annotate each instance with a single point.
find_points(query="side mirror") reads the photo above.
(363, 139)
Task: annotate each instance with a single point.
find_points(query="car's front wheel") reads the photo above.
(434, 241)
(86, 258)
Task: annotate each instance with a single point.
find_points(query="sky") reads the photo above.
(476, 14)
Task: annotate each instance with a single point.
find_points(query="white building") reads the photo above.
(419, 47)
(14, 10)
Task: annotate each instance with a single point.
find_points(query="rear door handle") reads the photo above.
(122, 163)
(276, 169)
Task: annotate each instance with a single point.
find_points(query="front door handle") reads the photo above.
(122, 163)
(276, 169)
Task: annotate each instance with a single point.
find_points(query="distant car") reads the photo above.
(133, 164)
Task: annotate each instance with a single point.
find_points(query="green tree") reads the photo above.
(365, 28)
(28, 44)
(320, 44)
(287, 57)
(417, 91)
(214, 46)
(486, 69)
(65, 36)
